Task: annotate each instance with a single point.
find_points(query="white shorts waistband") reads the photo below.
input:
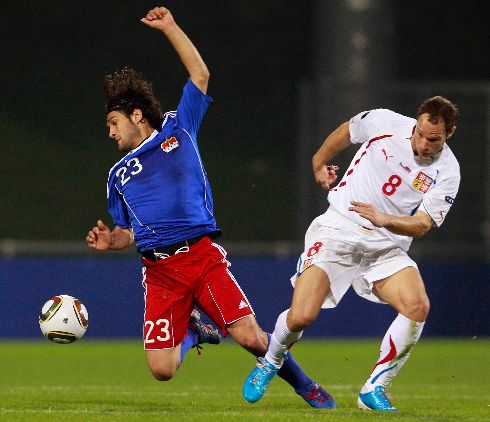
(348, 223)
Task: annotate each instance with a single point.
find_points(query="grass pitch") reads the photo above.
(444, 380)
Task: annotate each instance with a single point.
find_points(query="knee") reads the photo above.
(417, 310)
(299, 320)
(162, 373)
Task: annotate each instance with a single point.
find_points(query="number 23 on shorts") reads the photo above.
(157, 330)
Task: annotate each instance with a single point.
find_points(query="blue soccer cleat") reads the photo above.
(206, 333)
(316, 396)
(257, 382)
(375, 400)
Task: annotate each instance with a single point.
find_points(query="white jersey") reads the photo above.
(386, 174)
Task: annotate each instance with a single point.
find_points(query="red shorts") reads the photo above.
(174, 285)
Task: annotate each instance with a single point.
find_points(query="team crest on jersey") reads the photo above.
(169, 144)
(306, 264)
(422, 182)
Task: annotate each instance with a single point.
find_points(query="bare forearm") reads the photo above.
(407, 226)
(337, 141)
(413, 226)
(189, 55)
(121, 238)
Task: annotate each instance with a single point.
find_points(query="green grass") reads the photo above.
(444, 380)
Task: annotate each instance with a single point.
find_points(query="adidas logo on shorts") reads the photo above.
(242, 305)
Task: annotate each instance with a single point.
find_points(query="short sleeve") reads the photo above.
(117, 208)
(372, 123)
(440, 197)
(359, 126)
(192, 108)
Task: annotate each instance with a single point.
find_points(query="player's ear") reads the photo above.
(450, 133)
(137, 116)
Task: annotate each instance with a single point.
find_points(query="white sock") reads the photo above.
(280, 340)
(396, 347)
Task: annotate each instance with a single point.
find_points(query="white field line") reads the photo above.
(82, 411)
(105, 412)
(207, 389)
(201, 414)
(161, 394)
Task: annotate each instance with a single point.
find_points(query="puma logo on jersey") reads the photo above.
(405, 167)
(386, 154)
(243, 304)
(169, 144)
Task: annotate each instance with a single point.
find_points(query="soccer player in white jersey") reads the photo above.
(401, 183)
(160, 199)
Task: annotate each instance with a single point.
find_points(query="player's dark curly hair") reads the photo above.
(440, 108)
(126, 90)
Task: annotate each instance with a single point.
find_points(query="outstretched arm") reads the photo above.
(337, 141)
(414, 226)
(160, 18)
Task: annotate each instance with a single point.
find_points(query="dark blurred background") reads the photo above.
(284, 74)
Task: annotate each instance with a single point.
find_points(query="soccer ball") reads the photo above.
(63, 319)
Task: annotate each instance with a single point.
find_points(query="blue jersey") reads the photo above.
(160, 189)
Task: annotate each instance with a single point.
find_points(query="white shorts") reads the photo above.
(351, 255)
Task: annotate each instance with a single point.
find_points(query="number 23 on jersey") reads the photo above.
(132, 168)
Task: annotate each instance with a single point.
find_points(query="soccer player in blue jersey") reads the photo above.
(160, 199)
